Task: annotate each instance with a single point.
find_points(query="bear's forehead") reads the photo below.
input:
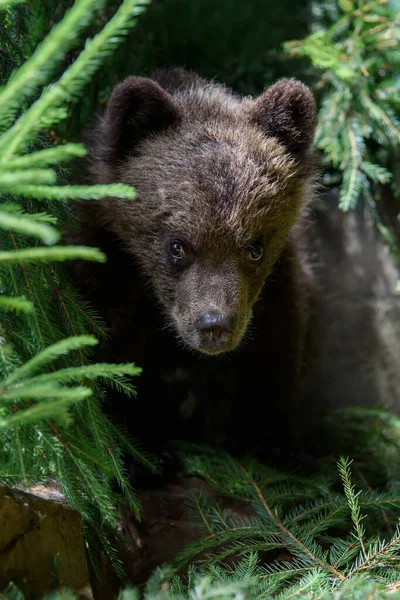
(228, 154)
(231, 182)
(234, 221)
(214, 154)
(214, 167)
(230, 188)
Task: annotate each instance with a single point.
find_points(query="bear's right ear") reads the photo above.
(138, 107)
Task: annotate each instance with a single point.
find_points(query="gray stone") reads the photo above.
(355, 354)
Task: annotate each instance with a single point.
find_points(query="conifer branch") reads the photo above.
(42, 158)
(71, 192)
(15, 303)
(58, 402)
(350, 56)
(69, 86)
(352, 499)
(4, 4)
(48, 355)
(23, 224)
(58, 253)
(35, 71)
(49, 425)
(286, 533)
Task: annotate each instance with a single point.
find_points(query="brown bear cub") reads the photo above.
(204, 286)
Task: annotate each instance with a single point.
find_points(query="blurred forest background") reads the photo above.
(237, 43)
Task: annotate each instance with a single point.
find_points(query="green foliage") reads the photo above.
(286, 577)
(320, 537)
(357, 59)
(51, 421)
(312, 537)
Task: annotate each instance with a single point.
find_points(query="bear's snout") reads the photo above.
(216, 330)
(215, 326)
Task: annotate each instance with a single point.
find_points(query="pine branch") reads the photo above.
(35, 71)
(57, 253)
(17, 304)
(48, 355)
(23, 224)
(352, 499)
(69, 86)
(355, 60)
(42, 158)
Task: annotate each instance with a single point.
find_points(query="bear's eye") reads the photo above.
(177, 250)
(256, 252)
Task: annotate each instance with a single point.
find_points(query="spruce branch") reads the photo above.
(50, 407)
(23, 224)
(57, 253)
(72, 192)
(42, 158)
(15, 303)
(296, 544)
(4, 4)
(355, 61)
(70, 85)
(302, 534)
(352, 499)
(34, 391)
(106, 372)
(133, 447)
(58, 402)
(75, 309)
(11, 182)
(48, 355)
(35, 71)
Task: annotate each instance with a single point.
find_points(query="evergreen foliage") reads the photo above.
(308, 537)
(357, 60)
(51, 421)
(318, 537)
(302, 538)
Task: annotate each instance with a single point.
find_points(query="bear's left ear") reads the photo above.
(286, 111)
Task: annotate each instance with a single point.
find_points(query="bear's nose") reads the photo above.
(216, 326)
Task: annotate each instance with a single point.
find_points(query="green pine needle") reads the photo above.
(42, 158)
(28, 226)
(48, 355)
(73, 192)
(17, 304)
(58, 253)
(50, 394)
(35, 71)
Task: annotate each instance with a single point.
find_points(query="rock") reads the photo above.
(41, 543)
(356, 322)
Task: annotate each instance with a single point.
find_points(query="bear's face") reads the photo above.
(208, 291)
(215, 200)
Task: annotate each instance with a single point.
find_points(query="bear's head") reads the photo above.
(220, 184)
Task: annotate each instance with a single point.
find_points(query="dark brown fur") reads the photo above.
(219, 173)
